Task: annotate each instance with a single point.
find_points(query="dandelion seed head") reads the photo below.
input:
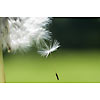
(25, 31)
(21, 33)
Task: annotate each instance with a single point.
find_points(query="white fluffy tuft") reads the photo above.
(26, 31)
(20, 33)
(48, 49)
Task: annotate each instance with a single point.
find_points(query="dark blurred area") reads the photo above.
(76, 33)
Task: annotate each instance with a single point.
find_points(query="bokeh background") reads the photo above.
(77, 60)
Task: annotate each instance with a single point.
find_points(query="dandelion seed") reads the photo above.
(57, 76)
(48, 49)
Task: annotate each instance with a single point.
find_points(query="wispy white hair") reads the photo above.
(47, 49)
(21, 33)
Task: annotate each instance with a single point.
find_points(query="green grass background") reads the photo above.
(78, 66)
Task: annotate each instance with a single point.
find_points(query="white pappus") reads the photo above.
(48, 49)
(21, 33)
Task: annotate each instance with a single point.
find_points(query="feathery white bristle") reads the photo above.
(48, 49)
(25, 31)
(21, 33)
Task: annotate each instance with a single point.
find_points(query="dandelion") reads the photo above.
(21, 33)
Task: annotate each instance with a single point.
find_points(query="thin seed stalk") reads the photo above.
(4, 28)
(2, 72)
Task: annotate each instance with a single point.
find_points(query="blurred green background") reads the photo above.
(77, 60)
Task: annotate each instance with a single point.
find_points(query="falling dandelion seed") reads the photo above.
(49, 48)
(57, 76)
